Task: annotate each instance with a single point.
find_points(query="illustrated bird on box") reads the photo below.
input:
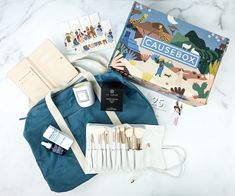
(194, 51)
(186, 46)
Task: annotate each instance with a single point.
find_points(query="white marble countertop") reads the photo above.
(207, 133)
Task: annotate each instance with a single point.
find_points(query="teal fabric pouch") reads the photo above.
(64, 173)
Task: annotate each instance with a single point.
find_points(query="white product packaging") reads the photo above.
(58, 137)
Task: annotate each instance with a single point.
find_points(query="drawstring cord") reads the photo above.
(182, 158)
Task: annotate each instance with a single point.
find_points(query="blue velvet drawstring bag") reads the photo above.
(64, 173)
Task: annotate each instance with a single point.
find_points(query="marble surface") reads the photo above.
(207, 133)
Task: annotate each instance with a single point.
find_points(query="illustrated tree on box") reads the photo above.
(201, 90)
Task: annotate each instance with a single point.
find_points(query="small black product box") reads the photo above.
(111, 96)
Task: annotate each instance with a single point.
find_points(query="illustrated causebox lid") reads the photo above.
(168, 55)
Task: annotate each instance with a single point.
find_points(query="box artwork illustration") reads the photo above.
(168, 55)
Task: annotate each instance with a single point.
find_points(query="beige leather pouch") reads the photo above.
(44, 70)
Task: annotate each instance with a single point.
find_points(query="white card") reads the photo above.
(167, 110)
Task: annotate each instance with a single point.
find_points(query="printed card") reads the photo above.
(167, 110)
(87, 34)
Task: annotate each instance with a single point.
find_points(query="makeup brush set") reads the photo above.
(123, 147)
